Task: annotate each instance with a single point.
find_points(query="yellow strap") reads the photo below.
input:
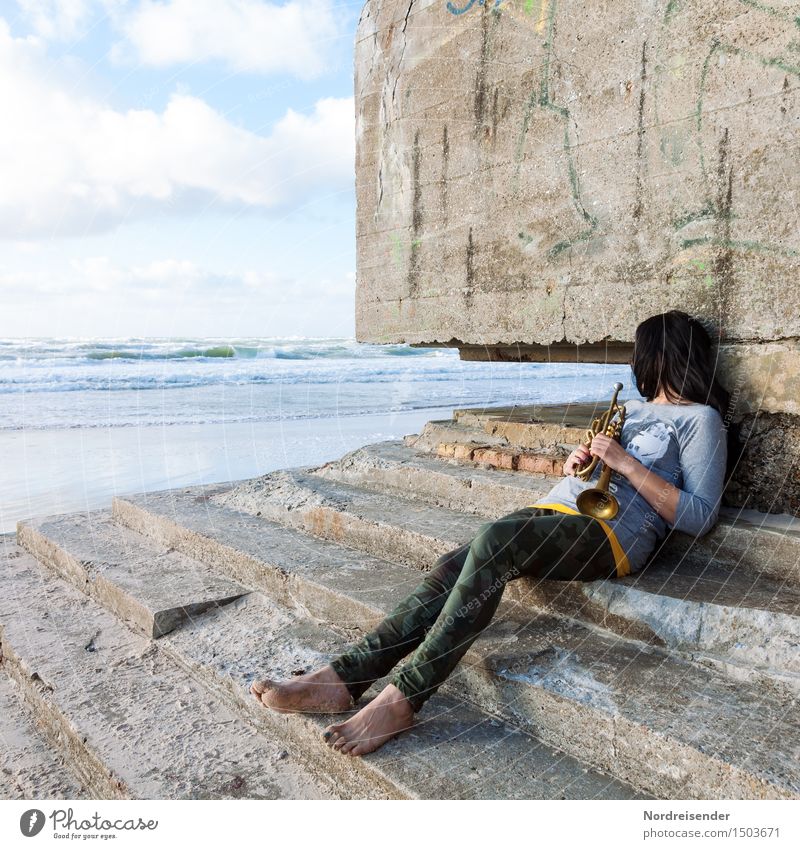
(623, 566)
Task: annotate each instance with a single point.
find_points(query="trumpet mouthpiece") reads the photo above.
(617, 386)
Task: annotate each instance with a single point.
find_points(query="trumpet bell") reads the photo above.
(597, 503)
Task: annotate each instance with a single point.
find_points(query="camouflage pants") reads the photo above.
(441, 618)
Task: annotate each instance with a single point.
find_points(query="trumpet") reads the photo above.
(598, 502)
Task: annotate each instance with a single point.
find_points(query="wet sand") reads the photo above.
(67, 470)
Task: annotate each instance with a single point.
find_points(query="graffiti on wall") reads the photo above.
(466, 5)
(457, 9)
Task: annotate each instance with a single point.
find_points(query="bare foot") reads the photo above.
(322, 691)
(384, 717)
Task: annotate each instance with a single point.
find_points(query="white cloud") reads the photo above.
(298, 37)
(55, 19)
(98, 274)
(70, 165)
(96, 296)
(166, 277)
(247, 35)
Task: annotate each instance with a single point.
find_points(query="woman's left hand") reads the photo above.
(611, 453)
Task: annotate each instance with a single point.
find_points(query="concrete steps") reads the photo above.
(29, 768)
(739, 619)
(456, 751)
(668, 726)
(224, 649)
(764, 546)
(679, 682)
(151, 588)
(413, 532)
(725, 617)
(747, 627)
(466, 487)
(128, 721)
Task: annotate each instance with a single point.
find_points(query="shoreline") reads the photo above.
(63, 470)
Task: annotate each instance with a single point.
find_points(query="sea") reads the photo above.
(82, 420)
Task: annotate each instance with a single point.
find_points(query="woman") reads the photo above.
(668, 472)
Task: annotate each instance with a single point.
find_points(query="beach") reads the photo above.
(62, 471)
(84, 420)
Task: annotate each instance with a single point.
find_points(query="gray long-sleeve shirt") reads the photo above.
(684, 444)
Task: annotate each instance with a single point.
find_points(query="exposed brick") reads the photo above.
(539, 464)
(498, 458)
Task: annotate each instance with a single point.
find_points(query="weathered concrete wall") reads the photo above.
(550, 172)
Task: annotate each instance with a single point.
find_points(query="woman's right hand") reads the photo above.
(578, 457)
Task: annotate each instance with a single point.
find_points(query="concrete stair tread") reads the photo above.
(746, 626)
(321, 506)
(405, 464)
(782, 524)
(148, 586)
(577, 414)
(767, 546)
(455, 750)
(29, 768)
(284, 562)
(678, 603)
(99, 686)
(551, 437)
(713, 584)
(447, 430)
(618, 682)
(621, 685)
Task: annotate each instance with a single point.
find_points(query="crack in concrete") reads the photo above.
(402, 50)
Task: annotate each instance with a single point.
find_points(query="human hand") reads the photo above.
(577, 458)
(611, 453)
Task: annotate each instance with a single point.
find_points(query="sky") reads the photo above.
(177, 168)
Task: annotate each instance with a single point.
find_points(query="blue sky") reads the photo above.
(177, 167)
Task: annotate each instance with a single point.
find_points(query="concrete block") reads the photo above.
(29, 768)
(129, 722)
(154, 589)
(626, 169)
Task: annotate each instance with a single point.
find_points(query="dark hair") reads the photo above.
(672, 351)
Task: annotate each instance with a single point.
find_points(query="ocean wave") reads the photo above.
(50, 381)
(100, 383)
(222, 351)
(37, 351)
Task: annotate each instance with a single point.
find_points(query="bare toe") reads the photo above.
(331, 735)
(258, 688)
